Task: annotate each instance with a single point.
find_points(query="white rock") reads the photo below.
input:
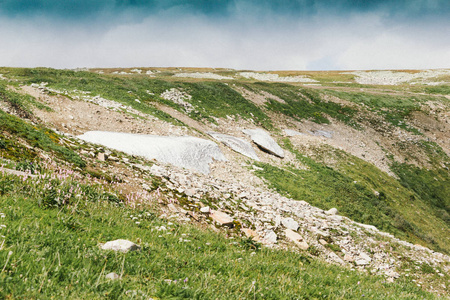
(291, 133)
(112, 276)
(290, 223)
(120, 245)
(297, 239)
(332, 211)
(205, 210)
(186, 152)
(221, 218)
(363, 259)
(270, 238)
(239, 145)
(265, 141)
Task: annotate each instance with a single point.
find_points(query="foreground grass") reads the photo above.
(50, 250)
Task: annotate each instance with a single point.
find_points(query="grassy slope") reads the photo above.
(208, 269)
(397, 209)
(53, 252)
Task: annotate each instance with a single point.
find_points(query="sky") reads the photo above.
(238, 34)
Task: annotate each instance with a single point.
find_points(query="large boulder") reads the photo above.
(182, 151)
(239, 145)
(264, 141)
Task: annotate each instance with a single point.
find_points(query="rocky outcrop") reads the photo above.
(280, 222)
(239, 145)
(186, 152)
(264, 141)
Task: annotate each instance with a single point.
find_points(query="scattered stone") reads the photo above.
(363, 259)
(239, 145)
(158, 171)
(112, 276)
(120, 245)
(292, 133)
(296, 238)
(290, 223)
(323, 242)
(17, 173)
(270, 237)
(333, 211)
(221, 218)
(265, 141)
(348, 257)
(205, 210)
(250, 234)
(101, 156)
(323, 133)
(392, 273)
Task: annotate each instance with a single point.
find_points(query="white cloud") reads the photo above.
(357, 42)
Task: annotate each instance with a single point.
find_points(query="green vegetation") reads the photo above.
(51, 250)
(219, 100)
(21, 104)
(36, 137)
(210, 99)
(303, 103)
(394, 109)
(438, 89)
(431, 185)
(350, 187)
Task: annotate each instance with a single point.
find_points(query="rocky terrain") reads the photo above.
(262, 131)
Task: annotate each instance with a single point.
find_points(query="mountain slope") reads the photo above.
(377, 153)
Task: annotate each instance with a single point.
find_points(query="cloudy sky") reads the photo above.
(239, 34)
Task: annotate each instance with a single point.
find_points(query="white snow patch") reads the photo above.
(276, 77)
(183, 151)
(394, 78)
(206, 75)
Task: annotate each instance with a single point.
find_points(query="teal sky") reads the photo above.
(240, 34)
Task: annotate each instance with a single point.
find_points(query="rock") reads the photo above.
(363, 259)
(182, 151)
(250, 234)
(158, 171)
(264, 141)
(296, 238)
(17, 173)
(120, 245)
(291, 133)
(290, 223)
(369, 227)
(221, 218)
(101, 156)
(205, 210)
(348, 257)
(239, 145)
(323, 133)
(323, 242)
(333, 211)
(392, 273)
(112, 276)
(270, 238)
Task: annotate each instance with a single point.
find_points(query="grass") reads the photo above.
(394, 109)
(350, 187)
(431, 185)
(303, 103)
(35, 136)
(438, 89)
(52, 251)
(210, 99)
